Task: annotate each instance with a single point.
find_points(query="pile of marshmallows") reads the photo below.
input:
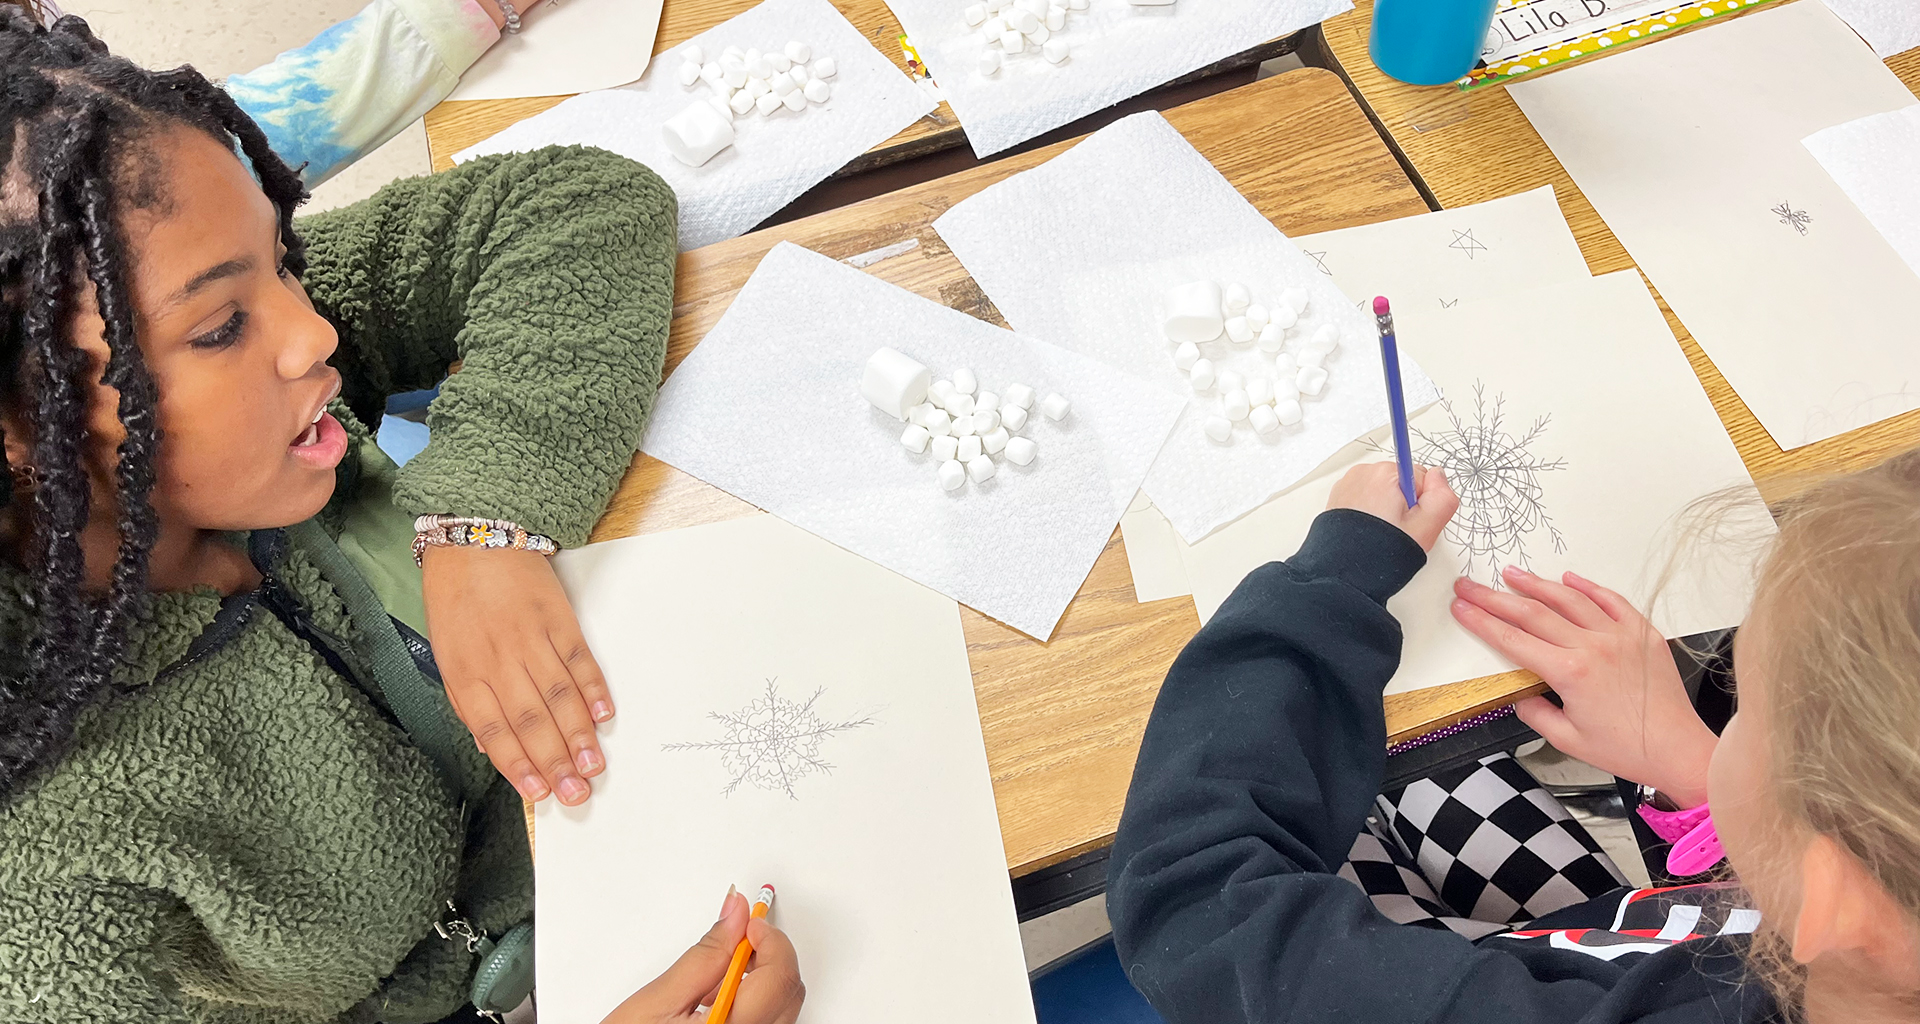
(1018, 26)
(1200, 312)
(742, 80)
(961, 425)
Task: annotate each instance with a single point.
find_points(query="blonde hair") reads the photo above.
(1840, 591)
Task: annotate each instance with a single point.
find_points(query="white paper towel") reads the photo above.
(774, 158)
(1872, 159)
(1079, 250)
(1118, 51)
(768, 408)
(1889, 26)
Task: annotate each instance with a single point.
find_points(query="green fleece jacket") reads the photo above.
(248, 836)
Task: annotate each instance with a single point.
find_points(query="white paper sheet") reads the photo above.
(774, 158)
(1873, 160)
(1118, 51)
(1079, 251)
(574, 46)
(1153, 553)
(1775, 272)
(768, 408)
(1889, 26)
(863, 798)
(1590, 434)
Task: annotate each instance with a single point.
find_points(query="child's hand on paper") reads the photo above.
(1626, 710)
(1374, 488)
(770, 993)
(516, 667)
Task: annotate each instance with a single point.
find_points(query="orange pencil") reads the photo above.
(730, 985)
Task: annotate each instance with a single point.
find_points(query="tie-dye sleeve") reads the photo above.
(362, 81)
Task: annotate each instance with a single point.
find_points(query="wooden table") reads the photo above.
(453, 126)
(1470, 148)
(1062, 720)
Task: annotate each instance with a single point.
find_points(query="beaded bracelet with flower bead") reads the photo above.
(467, 531)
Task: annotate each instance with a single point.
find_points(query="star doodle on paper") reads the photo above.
(1497, 477)
(1465, 242)
(773, 742)
(1320, 260)
(1796, 219)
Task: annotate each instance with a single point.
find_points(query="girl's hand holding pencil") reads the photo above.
(1374, 488)
(768, 990)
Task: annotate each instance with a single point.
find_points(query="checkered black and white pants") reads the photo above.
(1478, 850)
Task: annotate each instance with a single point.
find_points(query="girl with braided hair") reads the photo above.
(232, 786)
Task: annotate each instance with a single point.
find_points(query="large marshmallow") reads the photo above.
(894, 382)
(1193, 312)
(696, 134)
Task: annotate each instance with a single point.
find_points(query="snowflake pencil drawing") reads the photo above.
(1796, 219)
(1497, 476)
(773, 742)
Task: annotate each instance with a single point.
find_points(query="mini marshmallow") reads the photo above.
(1287, 411)
(986, 421)
(940, 392)
(1283, 316)
(695, 134)
(1311, 357)
(938, 423)
(694, 54)
(952, 475)
(800, 53)
(980, 469)
(959, 404)
(1012, 418)
(993, 441)
(800, 77)
(734, 52)
(1193, 312)
(996, 27)
(1311, 380)
(1228, 380)
(753, 53)
(1039, 36)
(819, 92)
(1238, 330)
(1025, 22)
(1284, 368)
(780, 61)
(1326, 339)
(1296, 299)
(945, 447)
(713, 74)
(689, 74)
(983, 400)
(1038, 8)
(741, 102)
(1056, 18)
(767, 103)
(757, 87)
(1012, 41)
(1235, 299)
(989, 63)
(1018, 396)
(1079, 5)
(735, 76)
(1263, 419)
(795, 100)
(996, 6)
(1260, 391)
(894, 382)
(1020, 451)
(1055, 51)
(922, 413)
(1201, 374)
(1186, 355)
(1258, 316)
(962, 426)
(781, 85)
(758, 66)
(916, 438)
(969, 448)
(1272, 337)
(824, 67)
(1284, 390)
(1054, 407)
(1236, 404)
(965, 383)
(1219, 428)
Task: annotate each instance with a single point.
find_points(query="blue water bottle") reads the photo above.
(1429, 42)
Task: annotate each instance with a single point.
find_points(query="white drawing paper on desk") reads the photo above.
(1874, 160)
(1080, 250)
(1429, 260)
(794, 714)
(1690, 149)
(1575, 433)
(570, 47)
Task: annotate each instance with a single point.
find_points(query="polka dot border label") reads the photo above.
(1597, 42)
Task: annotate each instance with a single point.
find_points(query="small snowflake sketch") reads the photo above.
(773, 742)
(1796, 219)
(1320, 261)
(1465, 242)
(1497, 476)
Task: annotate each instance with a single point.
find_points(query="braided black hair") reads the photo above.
(73, 123)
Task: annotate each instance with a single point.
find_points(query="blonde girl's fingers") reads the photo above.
(1571, 604)
(490, 728)
(1522, 612)
(1520, 647)
(1550, 721)
(569, 708)
(1438, 502)
(1617, 608)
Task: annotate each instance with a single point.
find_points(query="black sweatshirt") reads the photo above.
(1260, 764)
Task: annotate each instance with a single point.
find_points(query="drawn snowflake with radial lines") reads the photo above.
(773, 742)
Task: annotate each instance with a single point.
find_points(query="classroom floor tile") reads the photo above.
(1052, 936)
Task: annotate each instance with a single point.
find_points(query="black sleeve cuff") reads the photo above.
(1363, 551)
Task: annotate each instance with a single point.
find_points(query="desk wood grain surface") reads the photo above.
(1062, 720)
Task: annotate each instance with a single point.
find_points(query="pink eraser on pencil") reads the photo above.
(1379, 305)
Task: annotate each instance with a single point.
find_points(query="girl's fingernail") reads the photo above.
(1514, 572)
(573, 791)
(588, 761)
(725, 903)
(602, 711)
(533, 788)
